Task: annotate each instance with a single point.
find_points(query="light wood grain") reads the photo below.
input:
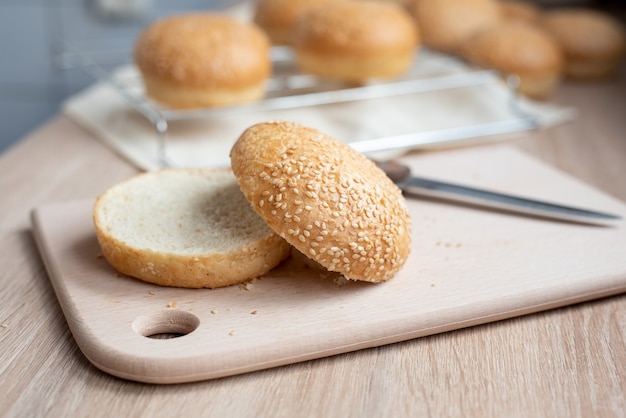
(568, 362)
(467, 266)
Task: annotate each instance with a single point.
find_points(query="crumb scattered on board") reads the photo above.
(171, 304)
(248, 285)
(448, 244)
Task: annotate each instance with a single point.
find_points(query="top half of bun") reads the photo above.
(515, 48)
(585, 33)
(326, 199)
(279, 17)
(197, 49)
(356, 28)
(520, 10)
(445, 24)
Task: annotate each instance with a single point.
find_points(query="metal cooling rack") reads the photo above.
(289, 89)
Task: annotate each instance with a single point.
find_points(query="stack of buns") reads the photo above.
(293, 187)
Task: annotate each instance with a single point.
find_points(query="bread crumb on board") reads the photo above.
(233, 332)
(171, 304)
(448, 244)
(249, 285)
(341, 280)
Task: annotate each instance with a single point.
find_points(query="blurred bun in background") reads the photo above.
(203, 60)
(356, 40)
(446, 24)
(594, 42)
(521, 49)
(279, 17)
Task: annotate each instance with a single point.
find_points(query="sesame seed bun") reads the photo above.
(520, 10)
(356, 41)
(594, 42)
(185, 228)
(203, 60)
(327, 200)
(279, 17)
(521, 49)
(445, 24)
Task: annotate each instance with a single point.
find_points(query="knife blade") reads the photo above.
(412, 185)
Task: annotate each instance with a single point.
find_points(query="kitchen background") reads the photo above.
(33, 87)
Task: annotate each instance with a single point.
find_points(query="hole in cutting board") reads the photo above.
(166, 324)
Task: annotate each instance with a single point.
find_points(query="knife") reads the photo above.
(412, 185)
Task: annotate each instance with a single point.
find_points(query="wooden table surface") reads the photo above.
(569, 362)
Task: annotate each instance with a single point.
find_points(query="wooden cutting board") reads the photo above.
(468, 266)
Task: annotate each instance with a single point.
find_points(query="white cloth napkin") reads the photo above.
(207, 142)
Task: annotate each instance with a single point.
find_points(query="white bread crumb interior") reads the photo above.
(185, 228)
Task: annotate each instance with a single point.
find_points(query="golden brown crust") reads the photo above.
(356, 69)
(377, 40)
(203, 51)
(143, 244)
(191, 271)
(362, 28)
(594, 42)
(445, 24)
(516, 48)
(326, 199)
(521, 49)
(405, 4)
(279, 17)
(520, 10)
